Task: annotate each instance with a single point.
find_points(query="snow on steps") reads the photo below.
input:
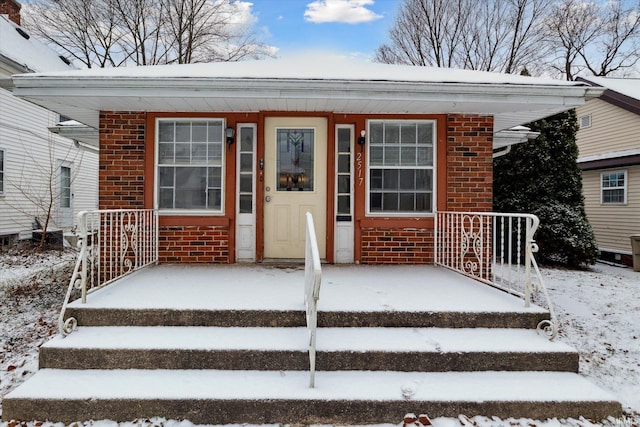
(375, 333)
(356, 397)
(393, 349)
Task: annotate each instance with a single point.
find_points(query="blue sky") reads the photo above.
(349, 27)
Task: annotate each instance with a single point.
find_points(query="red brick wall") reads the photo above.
(12, 9)
(397, 246)
(469, 163)
(469, 188)
(122, 154)
(122, 186)
(466, 168)
(194, 244)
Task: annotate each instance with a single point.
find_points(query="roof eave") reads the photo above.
(92, 94)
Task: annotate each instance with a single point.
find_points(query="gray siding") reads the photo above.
(32, 157)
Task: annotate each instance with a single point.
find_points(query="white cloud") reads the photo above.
(346, 11)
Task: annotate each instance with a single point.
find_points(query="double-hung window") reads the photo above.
(190, 164)
(401, 167)
(613, 187)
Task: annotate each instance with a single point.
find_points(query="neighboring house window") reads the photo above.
(65, 187)
(614, 187)
(585, 121)
(400, 167)
(1, 172)
(190, 164)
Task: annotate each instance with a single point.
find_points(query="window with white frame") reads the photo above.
(401, 167)
(190, 163)
(65, 187)
(613, 186)
(1, 171)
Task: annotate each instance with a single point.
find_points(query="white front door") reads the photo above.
(295, 183)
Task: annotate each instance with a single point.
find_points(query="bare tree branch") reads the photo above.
(112, 33)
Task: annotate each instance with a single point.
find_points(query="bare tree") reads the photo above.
(111, 33)
(426, 32)
(590, 37)
(492, 35)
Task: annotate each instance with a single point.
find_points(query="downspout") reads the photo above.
(502, 152)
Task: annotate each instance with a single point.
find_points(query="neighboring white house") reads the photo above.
(38, 169)
(609, 143)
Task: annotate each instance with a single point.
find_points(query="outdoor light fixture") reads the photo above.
(361, 139)
(229, 132)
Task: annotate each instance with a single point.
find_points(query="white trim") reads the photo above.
(624, 187)
(156, 179)
(609, 155)
(344, 230)
(433, 168)
(372, 89)
(246, 222)
(64, 214)
(614, 251)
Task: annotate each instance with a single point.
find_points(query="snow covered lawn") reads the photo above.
(599, 312)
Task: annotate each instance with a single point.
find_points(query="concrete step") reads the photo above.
(343, 397)
(114, 316)
(396, 349)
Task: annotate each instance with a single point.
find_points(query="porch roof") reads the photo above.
(304, 84)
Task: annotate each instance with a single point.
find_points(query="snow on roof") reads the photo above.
(625, 86)
(313, 67)
(30, 54)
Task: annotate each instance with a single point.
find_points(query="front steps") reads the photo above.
(375, 362)
(339, 349)
(352, 397)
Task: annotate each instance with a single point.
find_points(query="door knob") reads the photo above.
(267, 199)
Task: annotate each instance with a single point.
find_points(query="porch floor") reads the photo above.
(359, 288)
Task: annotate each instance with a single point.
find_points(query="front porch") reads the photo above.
(257, 287)
(228, 344)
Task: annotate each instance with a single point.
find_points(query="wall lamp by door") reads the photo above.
(361, 138)
(229, 132)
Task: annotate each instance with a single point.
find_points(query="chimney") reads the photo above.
(11, 9)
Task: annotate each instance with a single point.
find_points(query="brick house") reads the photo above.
(231, 155)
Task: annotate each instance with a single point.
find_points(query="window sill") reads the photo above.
(397, 222)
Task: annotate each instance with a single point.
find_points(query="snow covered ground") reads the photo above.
(599, 312)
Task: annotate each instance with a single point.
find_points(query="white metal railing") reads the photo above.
(497, 249)
(312, 281)
(112, 243)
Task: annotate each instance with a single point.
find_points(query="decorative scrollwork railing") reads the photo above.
(112, 244)
(312, 281)
(497, 249)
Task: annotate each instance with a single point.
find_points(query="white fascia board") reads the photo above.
(230, 94)
(507, 138)
(85, 134)
(609, 155)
